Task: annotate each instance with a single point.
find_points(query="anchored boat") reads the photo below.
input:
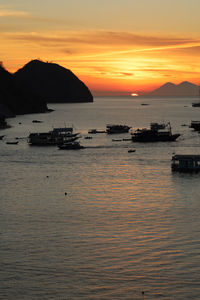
(155, 134)
(71, 146)
(110, 128)
(186, 163)
(55, 137)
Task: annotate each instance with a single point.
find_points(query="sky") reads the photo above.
(116, 47)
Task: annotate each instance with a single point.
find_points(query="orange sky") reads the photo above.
(115, 47)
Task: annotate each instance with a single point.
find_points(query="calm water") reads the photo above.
(126, 225)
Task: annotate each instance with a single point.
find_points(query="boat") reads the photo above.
(55, 137)
(195, 125)
(94, 131)
(116, 140)
(112, 128)
(71, 146)
(12, 143)
(185, 163)
(154, 135)
(131, 150)
(36, 121)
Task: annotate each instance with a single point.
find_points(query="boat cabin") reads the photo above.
(186, 163)
(195, 125)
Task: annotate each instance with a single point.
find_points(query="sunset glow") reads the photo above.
(110, 56)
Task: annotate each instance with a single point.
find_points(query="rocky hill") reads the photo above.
(52, 82)
(17, 100)
(183, 89)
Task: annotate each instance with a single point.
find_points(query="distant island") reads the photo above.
(169, 89)
(36, 84)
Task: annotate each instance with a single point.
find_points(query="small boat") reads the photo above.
(71, 146)
(36, 121)
(12, 143)
(195, 125)
(112, 128)
(92, 131)
(116, 140)
(131, 150)
(197, 104)
(185, 163)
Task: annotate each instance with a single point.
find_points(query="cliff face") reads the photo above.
(52, 82)
(183, 89)
(17, 100)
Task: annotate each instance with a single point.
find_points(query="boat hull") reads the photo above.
(71, 147)
(155, 138)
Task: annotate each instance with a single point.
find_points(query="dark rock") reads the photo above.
(52, 82)
(15, 99)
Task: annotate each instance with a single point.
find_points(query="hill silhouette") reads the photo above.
(169, 89)
(52, 82)
(17, 100)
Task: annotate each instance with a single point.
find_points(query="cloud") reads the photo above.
(6, 12)
(104, 42)
(108, 38)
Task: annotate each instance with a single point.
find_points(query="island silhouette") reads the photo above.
(30, 88)
(169, 89)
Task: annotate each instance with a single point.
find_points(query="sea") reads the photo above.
(100, 222)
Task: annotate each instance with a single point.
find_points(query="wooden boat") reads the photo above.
(185, 163)
(55, 137)
(71, 146)
(154, 135)
(12, 143)
(112, 128)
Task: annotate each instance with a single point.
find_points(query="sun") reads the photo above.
(134, 95)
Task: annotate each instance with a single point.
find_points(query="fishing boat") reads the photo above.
(71, 146)
(55, 137)
(154, 135)
(112, 128)
(185, 163)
